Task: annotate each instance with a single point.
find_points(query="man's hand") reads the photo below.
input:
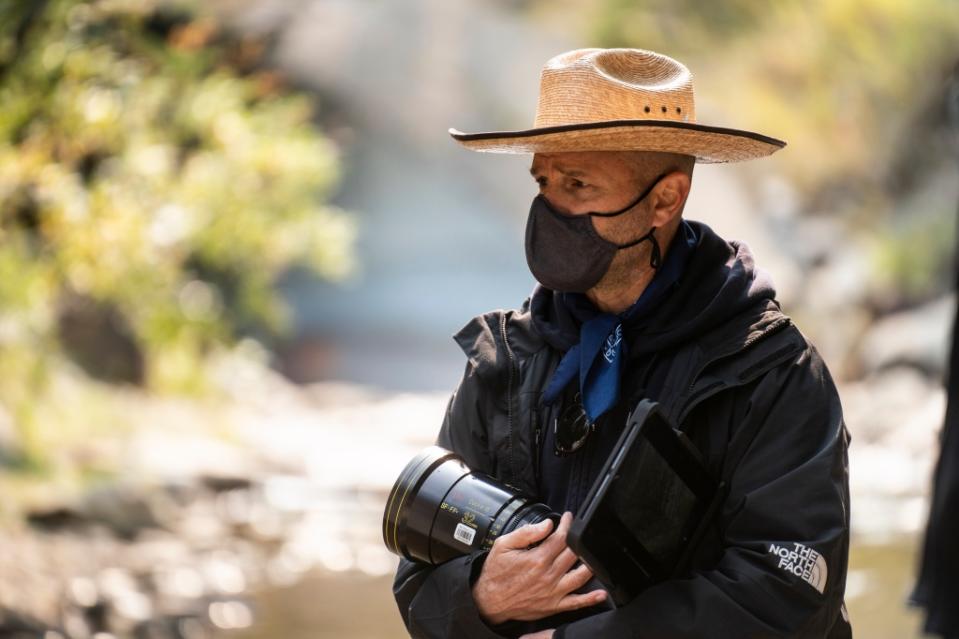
(525, 585)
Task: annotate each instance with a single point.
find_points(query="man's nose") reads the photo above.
(554, 200)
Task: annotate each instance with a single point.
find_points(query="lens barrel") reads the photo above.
(438, 509)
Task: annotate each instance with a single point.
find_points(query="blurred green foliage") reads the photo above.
(154, 182)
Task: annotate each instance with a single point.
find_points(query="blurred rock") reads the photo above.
(724, 203)
(125, 510)
(15, 626)
(814, 239)
(57, 518)
(827, 305)
(894, 417)
(918, 337)
(837, 279)
(224, 483)
(99, 339)
(898, 405)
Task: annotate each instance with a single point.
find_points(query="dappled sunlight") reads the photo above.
(235, 239)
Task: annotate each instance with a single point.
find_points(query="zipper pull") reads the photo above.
(537, 436)
(536, 427)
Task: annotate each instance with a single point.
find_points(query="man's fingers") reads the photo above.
(575, 579)
(526, 535)
(575, 602)
(564, 561)
(557, 541)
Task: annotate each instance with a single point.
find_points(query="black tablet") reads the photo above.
(647, 509)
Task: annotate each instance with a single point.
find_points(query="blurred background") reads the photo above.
(235, 239)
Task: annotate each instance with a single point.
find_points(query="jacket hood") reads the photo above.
(721, 281)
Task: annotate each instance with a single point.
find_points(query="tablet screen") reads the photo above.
(647, 508)
(652, 502)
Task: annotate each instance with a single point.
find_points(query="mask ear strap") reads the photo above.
(655, 257)
(641, 197)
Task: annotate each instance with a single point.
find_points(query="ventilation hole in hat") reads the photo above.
(679, 109)
(646, 109)
(664, 108)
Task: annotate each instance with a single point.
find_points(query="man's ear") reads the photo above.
(669, 197)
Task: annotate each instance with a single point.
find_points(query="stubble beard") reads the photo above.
(628, 266)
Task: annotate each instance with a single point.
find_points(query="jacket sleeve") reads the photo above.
(437, 601)
(784, 525)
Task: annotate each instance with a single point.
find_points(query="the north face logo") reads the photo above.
(803, 562)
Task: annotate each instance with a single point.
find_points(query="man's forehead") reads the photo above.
(575, 164)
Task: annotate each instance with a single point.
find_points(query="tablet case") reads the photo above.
(648, 508)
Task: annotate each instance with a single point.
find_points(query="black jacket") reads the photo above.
(753, 395)
(938, 584)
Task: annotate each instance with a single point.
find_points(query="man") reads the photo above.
(634, 302)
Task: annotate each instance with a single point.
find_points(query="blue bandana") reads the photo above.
(598, 358)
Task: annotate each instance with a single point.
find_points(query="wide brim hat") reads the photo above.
(620, 100)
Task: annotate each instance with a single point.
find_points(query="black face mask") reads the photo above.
(565, 253)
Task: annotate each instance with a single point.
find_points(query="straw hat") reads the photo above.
(620, 100)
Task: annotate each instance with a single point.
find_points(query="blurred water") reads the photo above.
(354, 606)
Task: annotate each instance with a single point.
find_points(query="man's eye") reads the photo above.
(576, 184)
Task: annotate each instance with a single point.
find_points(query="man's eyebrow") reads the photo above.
(568, 172)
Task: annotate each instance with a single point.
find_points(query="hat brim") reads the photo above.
(707, 143)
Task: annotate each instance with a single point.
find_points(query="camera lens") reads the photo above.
(439, 509)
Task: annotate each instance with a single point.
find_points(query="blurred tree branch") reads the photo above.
(156, 178)
(19, 17)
